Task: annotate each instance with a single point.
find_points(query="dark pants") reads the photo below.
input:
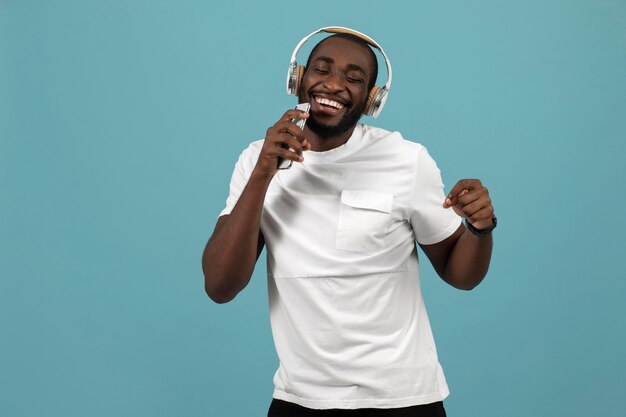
(280, 408)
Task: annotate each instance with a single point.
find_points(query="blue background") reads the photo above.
(120, 122)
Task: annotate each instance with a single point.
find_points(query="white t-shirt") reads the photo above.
(347, 315)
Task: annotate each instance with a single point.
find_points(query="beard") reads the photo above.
(347, 122)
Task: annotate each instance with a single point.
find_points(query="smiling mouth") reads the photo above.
(328, 103)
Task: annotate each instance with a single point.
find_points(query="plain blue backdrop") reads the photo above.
(120, 123)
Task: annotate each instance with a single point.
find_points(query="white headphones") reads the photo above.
(377, 95)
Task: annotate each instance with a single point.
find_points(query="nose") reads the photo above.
(333, 82)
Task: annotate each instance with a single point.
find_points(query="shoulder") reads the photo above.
(251, 153)
(249, 157)
(253, 149)
(392, 141)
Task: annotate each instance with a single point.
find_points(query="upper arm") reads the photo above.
(221, 221)
(439, 253)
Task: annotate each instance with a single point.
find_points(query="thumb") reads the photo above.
(452, 199)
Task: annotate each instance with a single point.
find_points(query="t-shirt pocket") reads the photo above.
(364, 218)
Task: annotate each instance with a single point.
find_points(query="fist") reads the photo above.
(470, 200)
(283, 140)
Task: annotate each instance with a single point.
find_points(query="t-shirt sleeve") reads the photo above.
(241, 175)
(430, 221)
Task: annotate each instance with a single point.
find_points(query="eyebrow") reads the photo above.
(351, 67)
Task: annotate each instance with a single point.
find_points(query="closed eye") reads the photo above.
(355, 80)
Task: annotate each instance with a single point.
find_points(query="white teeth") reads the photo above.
(328, 102)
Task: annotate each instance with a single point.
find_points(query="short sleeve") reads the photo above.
(241, 175)
(430, 221)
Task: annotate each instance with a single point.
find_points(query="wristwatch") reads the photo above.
(482, 232)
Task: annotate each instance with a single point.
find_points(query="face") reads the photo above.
(335, 84)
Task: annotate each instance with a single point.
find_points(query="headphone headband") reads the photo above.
(381, 93)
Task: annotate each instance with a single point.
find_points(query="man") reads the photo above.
(348, 319)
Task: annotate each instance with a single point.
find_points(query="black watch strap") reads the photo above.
(482, 232)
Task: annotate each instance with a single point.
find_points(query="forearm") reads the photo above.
(231, 253)
(469, 260)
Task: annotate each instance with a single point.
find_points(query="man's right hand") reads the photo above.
(279, 138)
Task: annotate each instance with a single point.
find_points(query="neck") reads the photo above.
(326, 143)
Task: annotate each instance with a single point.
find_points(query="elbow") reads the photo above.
(221, 284)
(466, 287)
(213, 291)
(218, 297)
(472, 283)
(466, 283)
(216, 292)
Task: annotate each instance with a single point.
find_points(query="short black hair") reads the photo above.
(355, 39)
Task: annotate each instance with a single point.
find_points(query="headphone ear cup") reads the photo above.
(299, 74)
(375, 101)
(371, 105)
(294, 77)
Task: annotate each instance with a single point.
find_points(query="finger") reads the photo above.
(293, 114)
(286, 140)
(468, 197)
(286, 126)
(294, 131)
(286, 118)
(476, 206)
(453, 200)
(293, 143)
(480, 217)
(281, 151)
(283, 141)
(459, 187)
(289, 154)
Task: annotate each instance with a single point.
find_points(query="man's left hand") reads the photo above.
(470, 200)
